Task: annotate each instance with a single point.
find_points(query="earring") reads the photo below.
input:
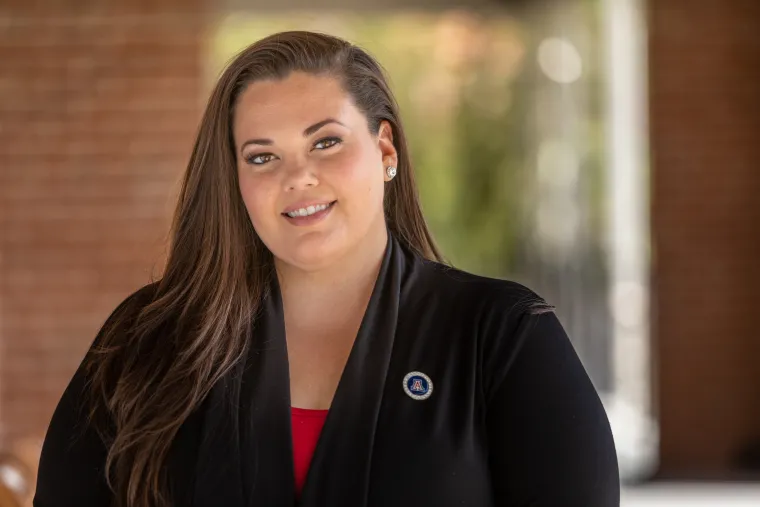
(390, 171)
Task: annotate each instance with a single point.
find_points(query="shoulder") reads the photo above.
(114, 337)
(490, 299)
(502, 314)
(126, 311)
(136, 300)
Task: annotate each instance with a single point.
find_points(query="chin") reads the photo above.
(312, 254)
(310, 261)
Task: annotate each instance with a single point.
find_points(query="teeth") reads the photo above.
(305, 212)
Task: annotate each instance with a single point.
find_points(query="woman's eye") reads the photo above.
(327, 142)
(259, 158)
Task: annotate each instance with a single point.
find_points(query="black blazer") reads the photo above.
(510, 417)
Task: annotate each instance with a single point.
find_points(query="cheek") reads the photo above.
(257, 195)
(360, 175)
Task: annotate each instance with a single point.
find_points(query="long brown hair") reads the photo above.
(155, 361)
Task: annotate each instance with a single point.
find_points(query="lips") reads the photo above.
(305, 209)
(302, 217)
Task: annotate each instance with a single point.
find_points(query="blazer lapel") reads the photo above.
(245, 451)
(339, 474)
(217, 477)
(267, 465)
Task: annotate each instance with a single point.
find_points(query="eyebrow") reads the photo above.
(306, 133)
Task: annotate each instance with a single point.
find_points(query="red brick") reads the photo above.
(98, 127)
(705, 123)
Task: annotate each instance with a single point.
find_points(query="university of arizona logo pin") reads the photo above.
(418, 385)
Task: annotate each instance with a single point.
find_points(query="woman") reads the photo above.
(305, 322)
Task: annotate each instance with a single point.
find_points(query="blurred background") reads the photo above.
(605, 153)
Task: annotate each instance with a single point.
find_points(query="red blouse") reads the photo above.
(307, 425)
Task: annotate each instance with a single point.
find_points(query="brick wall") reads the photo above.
(99, 107)
(705, 121)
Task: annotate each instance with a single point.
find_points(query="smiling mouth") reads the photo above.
(308, 211)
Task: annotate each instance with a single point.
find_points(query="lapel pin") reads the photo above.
(418, 385)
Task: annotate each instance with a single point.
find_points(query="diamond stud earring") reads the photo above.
(391, 171)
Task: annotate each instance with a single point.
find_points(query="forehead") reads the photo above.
(292, 103)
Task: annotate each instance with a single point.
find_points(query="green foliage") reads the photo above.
(464, 100)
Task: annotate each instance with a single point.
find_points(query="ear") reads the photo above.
(387, 148)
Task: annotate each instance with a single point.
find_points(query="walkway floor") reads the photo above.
(692, 495)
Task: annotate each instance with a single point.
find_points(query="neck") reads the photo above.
(346, 283)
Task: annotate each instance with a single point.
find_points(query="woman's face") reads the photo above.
(311, 174)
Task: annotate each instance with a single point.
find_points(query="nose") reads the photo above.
(299, 175)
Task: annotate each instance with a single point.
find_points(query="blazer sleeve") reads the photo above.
(71, 471)
(550, 442)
